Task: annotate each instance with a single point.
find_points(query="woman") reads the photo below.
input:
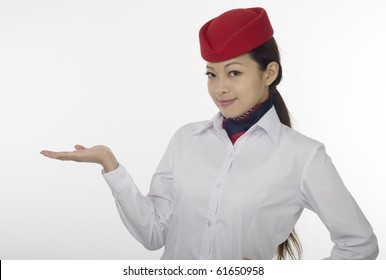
(234, 187)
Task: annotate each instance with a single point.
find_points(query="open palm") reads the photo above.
(97, 154)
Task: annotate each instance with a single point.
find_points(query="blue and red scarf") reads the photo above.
(236, 127)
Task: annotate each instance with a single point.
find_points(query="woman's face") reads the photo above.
(237, 85)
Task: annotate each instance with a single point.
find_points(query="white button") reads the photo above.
(209, 223)
(218, 185)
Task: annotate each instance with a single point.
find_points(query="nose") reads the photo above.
(221, 91)
(222, 87)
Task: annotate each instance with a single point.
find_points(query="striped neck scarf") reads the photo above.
(236, 127)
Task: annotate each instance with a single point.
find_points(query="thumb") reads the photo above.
(79, 147)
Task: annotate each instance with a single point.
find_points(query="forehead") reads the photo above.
(243, 60)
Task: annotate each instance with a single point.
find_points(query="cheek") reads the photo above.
(213, 96)
(255, 90)
(210, 86)
(211, 90)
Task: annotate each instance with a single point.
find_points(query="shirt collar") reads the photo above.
(270, 123)
(215, 122)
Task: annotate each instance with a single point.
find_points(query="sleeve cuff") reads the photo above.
(118, 179)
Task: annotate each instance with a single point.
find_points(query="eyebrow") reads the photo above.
(227, 65)
(231, 63)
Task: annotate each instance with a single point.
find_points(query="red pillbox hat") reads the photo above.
(233, 33)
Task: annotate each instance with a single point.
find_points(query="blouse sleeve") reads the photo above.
(323, 192)
(146, 217)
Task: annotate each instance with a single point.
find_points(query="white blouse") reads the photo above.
(210, 199)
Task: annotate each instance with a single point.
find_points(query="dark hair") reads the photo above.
(263, 55)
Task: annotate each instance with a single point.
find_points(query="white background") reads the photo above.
(128, 74)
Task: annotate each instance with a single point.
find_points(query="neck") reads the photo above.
(236, 127)
(246, 114)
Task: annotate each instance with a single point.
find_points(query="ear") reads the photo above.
(271, 73)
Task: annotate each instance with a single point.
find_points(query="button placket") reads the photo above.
(214, 203)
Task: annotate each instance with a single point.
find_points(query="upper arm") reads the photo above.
(323, 192)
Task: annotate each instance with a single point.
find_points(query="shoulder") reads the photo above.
(187, 134)
(293, 140)
(193, 128)
(294, 135)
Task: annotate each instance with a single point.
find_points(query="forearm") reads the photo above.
(367, 249)
(137, 212)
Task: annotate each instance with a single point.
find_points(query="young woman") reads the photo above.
(234, 187)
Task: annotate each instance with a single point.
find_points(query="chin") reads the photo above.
(228, 115)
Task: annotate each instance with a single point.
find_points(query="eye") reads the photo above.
(234, 73)
(210, 75)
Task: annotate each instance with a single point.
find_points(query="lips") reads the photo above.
(227, 102)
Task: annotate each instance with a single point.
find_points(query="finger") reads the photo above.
(58, 155)
(79, 147)
(49, 154)
(65, 156)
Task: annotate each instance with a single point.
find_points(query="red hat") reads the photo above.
(233, 33)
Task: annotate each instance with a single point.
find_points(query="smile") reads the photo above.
(226, 103)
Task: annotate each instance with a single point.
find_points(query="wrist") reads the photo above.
(108, 161)
(110, 166)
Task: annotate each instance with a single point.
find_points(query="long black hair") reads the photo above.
(263, 55)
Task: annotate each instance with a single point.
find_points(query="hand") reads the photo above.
(97, 154)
